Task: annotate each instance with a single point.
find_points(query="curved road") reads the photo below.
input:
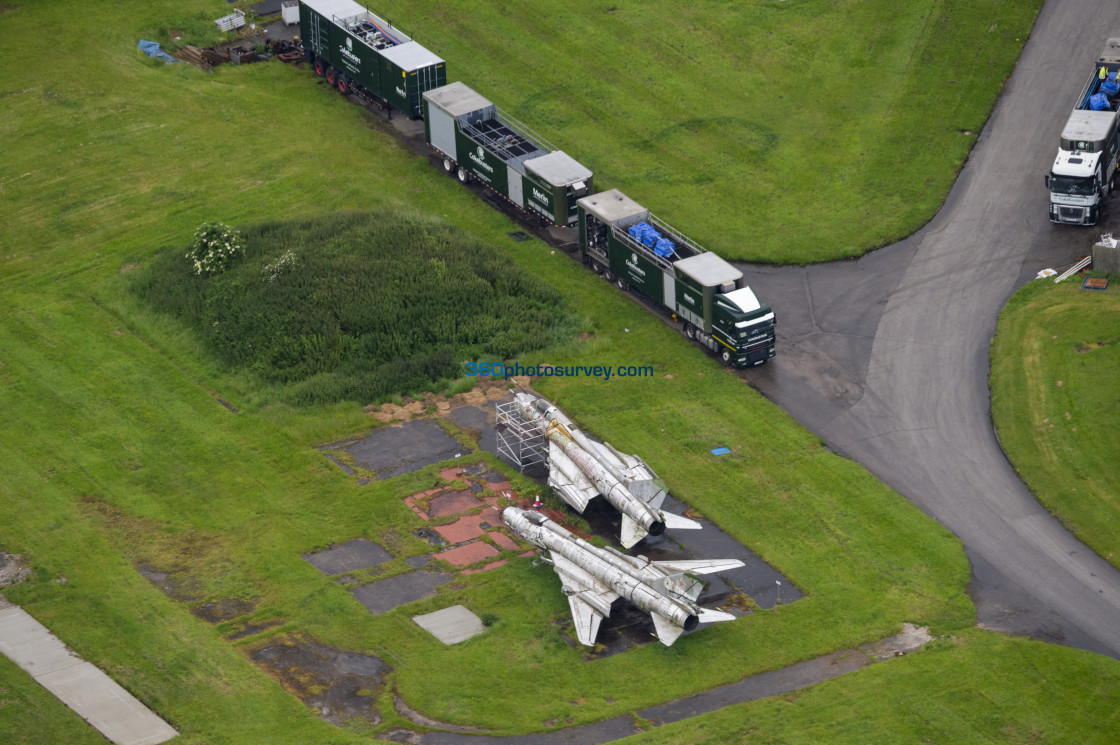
(886, 358)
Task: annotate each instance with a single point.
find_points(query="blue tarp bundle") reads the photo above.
(1098, 102)
(644, 233)
(1110, 88)
(152, 49)
(664, 247)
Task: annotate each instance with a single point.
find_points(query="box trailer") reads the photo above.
(358, 51)
(621, 240)
(479, 141)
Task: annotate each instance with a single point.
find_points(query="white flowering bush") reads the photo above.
(214, 248)
(283, 265)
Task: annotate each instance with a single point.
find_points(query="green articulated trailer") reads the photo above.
(479, 141)
(360, 52)
(622, 241)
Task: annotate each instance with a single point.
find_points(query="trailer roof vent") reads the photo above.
(1076, 160)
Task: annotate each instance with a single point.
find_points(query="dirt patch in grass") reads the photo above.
(12, 569)
(223, 609)
(338, 685)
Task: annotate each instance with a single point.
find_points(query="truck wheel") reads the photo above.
(320, 67)
(620, 283)
(596, 267)
(448, 166)
(332, 75)
(725, 355)
(690, 331)
(608, 275)
(343, 85)
(464, 177)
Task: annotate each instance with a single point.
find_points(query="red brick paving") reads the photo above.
(463, 529)
(487, 568)
(449, 474)
(499, 486)
(468, 554)
(527, 554)
(503, 541)
(452, 503)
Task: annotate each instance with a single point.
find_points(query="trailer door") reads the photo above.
(669, 287)
(516, 189)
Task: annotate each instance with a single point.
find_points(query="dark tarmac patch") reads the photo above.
(173, 584)
(480, 423)
(351, 556)
(252, 629)
(337, 684)
(387, 594)
(433, 538)
(223, 609)
(393, 450)
(756, 579)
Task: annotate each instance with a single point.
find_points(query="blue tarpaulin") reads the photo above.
(152, 49)
(1098, 102)
(664, 247)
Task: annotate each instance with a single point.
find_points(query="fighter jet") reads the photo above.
(580, 469)
(594, 577)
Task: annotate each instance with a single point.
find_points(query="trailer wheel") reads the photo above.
(620, 283)
(690, 331)
(608, 275)
(464, 177)
(332, 75)
(343, 85)
(725, 355)
(596, 267)
(448, 166)
(320, 67)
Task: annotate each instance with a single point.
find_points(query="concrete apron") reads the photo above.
(90, 693)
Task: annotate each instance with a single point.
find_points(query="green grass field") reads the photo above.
(1055, 407)
(117, 453)
(759, 129)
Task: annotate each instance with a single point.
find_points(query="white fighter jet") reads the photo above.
(594, 577)
(580, 469)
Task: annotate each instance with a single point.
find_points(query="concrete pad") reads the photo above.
(31, 646)
(451, 625)
(356, 554)
(388, 594)
(109, 708)
(90, 693)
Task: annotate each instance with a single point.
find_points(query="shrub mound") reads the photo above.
(359, 306)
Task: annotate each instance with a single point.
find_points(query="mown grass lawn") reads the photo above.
(116, 451)
(1054, 403)
(783, 132)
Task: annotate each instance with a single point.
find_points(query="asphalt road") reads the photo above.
(886, 358)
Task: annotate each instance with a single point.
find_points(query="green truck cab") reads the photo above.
(621, 240)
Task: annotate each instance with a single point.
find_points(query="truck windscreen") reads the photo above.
(1084, 186)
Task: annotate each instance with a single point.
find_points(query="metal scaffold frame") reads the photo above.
(522, 443)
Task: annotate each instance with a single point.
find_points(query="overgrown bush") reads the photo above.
(360, 306)
(214, 248)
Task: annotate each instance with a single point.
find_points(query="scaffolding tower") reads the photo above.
(521, 442)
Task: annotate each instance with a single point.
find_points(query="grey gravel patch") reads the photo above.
(418, 561)
(433, 538)
(350, 556)
(387, 594)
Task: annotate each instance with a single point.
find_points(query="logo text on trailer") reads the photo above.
(479, 158)
(632, 263)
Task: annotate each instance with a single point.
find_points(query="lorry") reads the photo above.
(359, 52)
(1084, 171)
(479, 141)
(621, 240)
